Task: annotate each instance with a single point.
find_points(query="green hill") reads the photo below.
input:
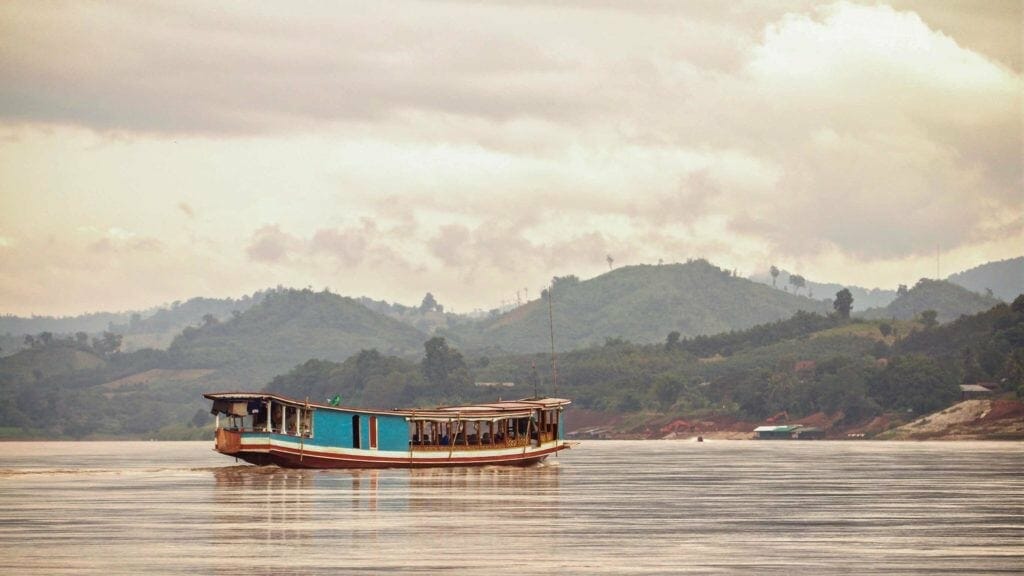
(980, 340)
(1004, 278)
(642, 304)
(948, 300)
(60, 390)
(90, 323)
(48, 361)
(151, 328)
(287, 328)
(157, 328)
(802, 366)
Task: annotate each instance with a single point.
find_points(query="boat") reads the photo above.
(263, 429)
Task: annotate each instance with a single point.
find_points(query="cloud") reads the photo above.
(129, 69)
(363, 244)
(270, 245)
(472, 146)
(881, 117)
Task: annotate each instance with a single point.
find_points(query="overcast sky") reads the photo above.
(151, 152)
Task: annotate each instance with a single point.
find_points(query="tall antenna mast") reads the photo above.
(551, 324)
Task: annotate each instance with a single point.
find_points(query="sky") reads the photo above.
(157, 151)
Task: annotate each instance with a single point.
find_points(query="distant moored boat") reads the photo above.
(266, 428)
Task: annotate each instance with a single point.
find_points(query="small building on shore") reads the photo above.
(974, 391)
(784, 432)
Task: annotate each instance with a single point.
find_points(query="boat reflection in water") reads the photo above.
(381, 517)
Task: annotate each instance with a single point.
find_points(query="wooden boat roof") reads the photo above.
(487, 411)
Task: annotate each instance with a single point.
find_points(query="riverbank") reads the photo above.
(1001, 419)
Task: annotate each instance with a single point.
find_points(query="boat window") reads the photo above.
(355, 432)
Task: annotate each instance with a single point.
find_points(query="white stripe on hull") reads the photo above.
(259, 444)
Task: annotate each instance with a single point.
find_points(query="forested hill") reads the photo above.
(846, 372)
(289, 327)
(863, 298)
(150, 328)
(1004, 278)
(74, 387)
(641, 304)
(157, 328)
(948, 300)
(90, 323)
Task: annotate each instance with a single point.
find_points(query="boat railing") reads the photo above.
(459, 446)
(306, 433)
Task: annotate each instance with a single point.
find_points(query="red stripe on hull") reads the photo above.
(262, 455)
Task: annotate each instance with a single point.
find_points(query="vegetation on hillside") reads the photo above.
(92, 323)
(948, 300)
(801, 366)
(864, 297)
(289, 327)
(428, 317)
(152, 328)
(321, 345)
(159, 327)
(1003, 279)
(637, 303)
(375, 380)
(63, 389)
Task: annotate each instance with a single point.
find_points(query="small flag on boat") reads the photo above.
(334, 401)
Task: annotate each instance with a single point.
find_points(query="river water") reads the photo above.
(718, 507)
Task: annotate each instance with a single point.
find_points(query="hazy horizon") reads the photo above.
(155, 152)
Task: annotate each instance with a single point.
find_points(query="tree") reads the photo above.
(885, 328)
(666, 391)
(916, 383)
(81, 338)
(775, 274)
(429, 303)
(928, 318)
(443, 367)
(798, 282)
(672, 341)
(108, 344)
(843, 303)
(902, 290)
(1018, 304)
(973, 372)
(610, 261)
(1012, 373)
